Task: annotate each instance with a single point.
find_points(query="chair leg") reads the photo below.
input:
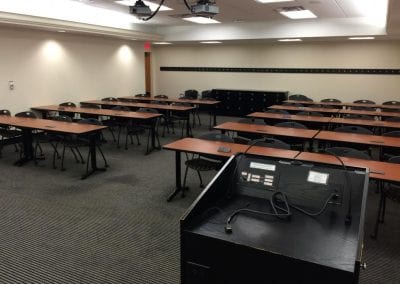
(119, 135)
(112, 133)
(62, 159)
(126, 140)
(374, 235)
(75, 156)
(201, 180)
(88, 162)
(102, 154)
(184, 181)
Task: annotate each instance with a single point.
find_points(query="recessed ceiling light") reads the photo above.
(361, 37)
(152, 6)
(201, 20)
(297, 13)
(273, 1)
(61, 31)
(210, 42)
(161, 43)
(290, 39)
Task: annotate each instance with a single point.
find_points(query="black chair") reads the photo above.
(181, 117)
(245, 137)
(161, 97)
(39, 137)
(393, 119)
(280, 111)
(118, 122)
(60, 139)
(331, 100)
(364, 102)
(206, 94)
(201, 163)
(294, 142)
(9, 135)
(391, 103)
(84, 141)
(271, 143)
(352, 129)
(191, 94)
(310, 113)
(64, 113)
(298, 97)
(348, 152)
(209, 109)
(141, 95)
(293, 104)
(137, 128)
(91, 106)
(389, 190)
(389, 152)
(359, 116)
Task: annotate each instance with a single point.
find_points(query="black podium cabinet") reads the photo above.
(255, 247)
(243, 102)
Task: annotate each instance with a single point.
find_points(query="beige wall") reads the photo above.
(51, 67)
(379, 54)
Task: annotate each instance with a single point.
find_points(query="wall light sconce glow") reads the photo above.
(125, 53)
(52, 50)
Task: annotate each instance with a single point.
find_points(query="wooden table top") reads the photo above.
(267, 130)
(177, 100)
(366, 122)
(49, 125)
(312, 109)
(306, 118)
(378, 170)
(344, 104)
(370, 112)
(139, 105)
(105, 112)
(375, 140)
(200, 146)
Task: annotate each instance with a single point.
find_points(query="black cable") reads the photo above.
(187, 5)
(155, 12)
(311, 214)
(348, 183)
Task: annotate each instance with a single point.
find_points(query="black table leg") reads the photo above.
(178, 177)
(93, 158)
(27, 142)
(153, 137)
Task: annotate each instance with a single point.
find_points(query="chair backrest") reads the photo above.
(353, 129)
(181, 104)
(271, 143)
(93, 121)
(358, 116)
(367, 102)
(109, 99)
(310, 113)
(146, 109)
(5, 112)
(292, 104)
(191, 94)
(394, 103)
(124, 108)
(141, 95)
(298, 97)
(206, 94)
(348, 152)
(161, 97)
(279, 111)
(26, 114)
(214, 136)
(62, 118)
(392, 133)
(90, 106)
(393, 119)
(251, 121)
(291, 124)
(395, 159)
(68, 104)
(331, 100)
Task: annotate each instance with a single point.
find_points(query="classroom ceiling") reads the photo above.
(239, 19)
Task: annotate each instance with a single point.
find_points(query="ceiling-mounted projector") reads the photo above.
(205, 8)
(140, 9)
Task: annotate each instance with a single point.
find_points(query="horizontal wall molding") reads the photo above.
(359, 71)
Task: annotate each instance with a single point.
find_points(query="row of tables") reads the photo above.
(344, 104)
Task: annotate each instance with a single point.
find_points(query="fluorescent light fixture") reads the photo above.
(201, 20)
(61, 31)
(161, 43)
(361, 37)
(152, 6)
(290, 39)
(297, 14)
(210, 42)
(273, 1)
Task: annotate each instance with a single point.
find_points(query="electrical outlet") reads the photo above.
(11, 85)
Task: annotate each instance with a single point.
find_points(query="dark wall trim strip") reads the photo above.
(286, 70)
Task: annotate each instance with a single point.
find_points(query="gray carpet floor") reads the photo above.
(116, 227)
